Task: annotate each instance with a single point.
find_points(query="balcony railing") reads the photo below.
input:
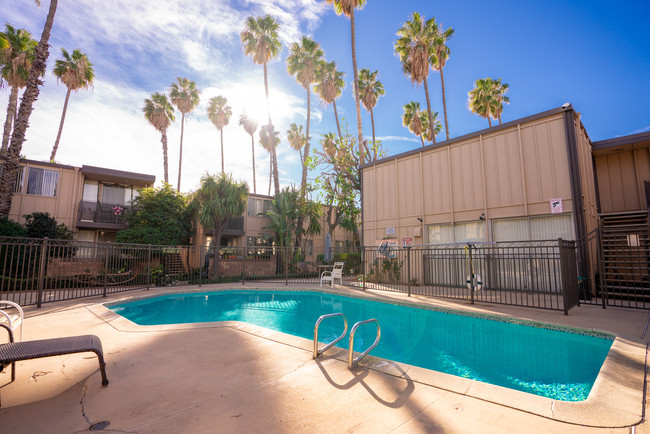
(102, 212)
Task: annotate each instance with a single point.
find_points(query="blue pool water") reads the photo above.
(546, 362)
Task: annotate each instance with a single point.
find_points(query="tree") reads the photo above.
(417, 121)
(160, 113)
(219, 113)
(329, 86)
(10, 167)
(487, 98)
(269, 139)
(218, 200)
(302, 63)
(185, 96)
(415, 49)
(158, 216)
(347, 7)
(297, 139)
(250, 125)
(42, 224)
(17, 57)
(370, 89)
(76, 72)
(499, 90)
(439, 61)
(261, 41)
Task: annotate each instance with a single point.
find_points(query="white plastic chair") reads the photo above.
(15, 320)
(331, 276)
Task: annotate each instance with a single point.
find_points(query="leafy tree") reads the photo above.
(347, 7)
(487, 98)
(417, 121)
(160, 114)
(219, 113)
(76, 72)
(42, 224)
(261, 41)
(329, 86)
(10, 228)
(185, 96)
(21, 122)
(370, 89)
(218, 200)
(250, 125)
(159, 216)
(439, 61)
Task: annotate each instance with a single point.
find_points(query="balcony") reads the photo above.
(101, 215)
(235, 227)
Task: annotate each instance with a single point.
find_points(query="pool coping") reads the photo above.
(615, 401)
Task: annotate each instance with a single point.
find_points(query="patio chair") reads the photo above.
(336, 273)
(13, 320)
(16, 351)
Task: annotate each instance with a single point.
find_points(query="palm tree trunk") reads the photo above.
(336, 115)
(24, 112)
(422, 140)
(58, 136)
(180, 154)
(356, 87)
(270, 173)
(274, 159)
(222, 164)
(372, 120)
(253, 153)
(163, 140)
(444, 103)
(499, 118)
(431, 126)
(11, 114)
(305, 154)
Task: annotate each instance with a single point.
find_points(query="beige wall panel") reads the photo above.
(642, 157)
(436, 182)
(560, 171)
(587, 177)
(531, 168)
(410, 194)
(507, 212)
(545, 160)
(368, 194)
(630, 191)
(543, 208)
(503, 170)
(467, 176)
(385, 195)
(67, 199)
(38, 204)
(604, 184)
(616, 182)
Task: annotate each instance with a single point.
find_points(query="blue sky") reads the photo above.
(594, 54)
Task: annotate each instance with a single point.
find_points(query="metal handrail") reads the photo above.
(318, 352)
(353, 362)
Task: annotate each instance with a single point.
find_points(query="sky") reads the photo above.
(594, 54)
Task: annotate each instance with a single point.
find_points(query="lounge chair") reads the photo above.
(336, 273)
(12, 320)
(16, 351)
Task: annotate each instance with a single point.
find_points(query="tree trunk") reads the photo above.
(180, 154)
(58, 136)
(270, 173)
(336, 115)
(214, 273)
(274, 159)
(253, 153)
(11, 114)
(305, 154)
(24, 112)
(488, 115)
(163, 140)
(356, 87)
(499, 118)
(444, 103)
(432, 127)
(222, 164)
(372, 121)
(422, 140)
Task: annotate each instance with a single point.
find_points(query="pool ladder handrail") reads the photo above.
(353, 362)
(318, 352)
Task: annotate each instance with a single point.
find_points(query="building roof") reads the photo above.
(621, 141)
(119, 176)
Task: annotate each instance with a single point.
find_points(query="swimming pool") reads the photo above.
(548, 362)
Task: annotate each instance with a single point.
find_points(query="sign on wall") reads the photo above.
(407, 241)
(556, 206)
(390, 231)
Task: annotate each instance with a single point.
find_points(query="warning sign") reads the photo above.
(407, 241)
(556, 206)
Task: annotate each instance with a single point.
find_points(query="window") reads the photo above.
(458, 233)
(309, 247)
(91, 189)
(533, 228)
(258, 206)
(18, 184)
(42, 182)
(113, 195)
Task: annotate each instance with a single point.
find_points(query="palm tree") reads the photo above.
(487, 98)
(160, 113)
(76, 72)
(415, 119)
(329, 86)
(499, 90)
(269, 139)
(370, 89)
(302, 63)
(250, 125)
(262, 42)
(219, 112)
(440, 60)
(218, 200)
(185, 96)
(10, 167)
(17, 57)
(415, 50)
(347, 7)
(297, 139)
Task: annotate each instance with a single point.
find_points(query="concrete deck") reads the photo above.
(235, 377)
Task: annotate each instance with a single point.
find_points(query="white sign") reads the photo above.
(556, 206)
(390, 231)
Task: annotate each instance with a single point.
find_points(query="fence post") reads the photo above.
(471, 274)
(41, 272)
(408, 268)
(149, 269)
(601, 284)
(243, 261)
(363, 268)
(286, 268)
(108, 254)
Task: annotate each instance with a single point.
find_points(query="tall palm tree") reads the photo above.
(219, 112)
(76, 72)
(415, 119)
(160, 113)
(329, 86)
(184, 94)
(261, 41)
(370, 89)
(10, 168)
(269, 139)
(415, 50)
(487, 98)
(347, 7)
(303, 63)
(439, 61)
(297, 140)
(250, 125)
(17, 57)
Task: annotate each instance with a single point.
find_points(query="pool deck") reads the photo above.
(235, 377)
